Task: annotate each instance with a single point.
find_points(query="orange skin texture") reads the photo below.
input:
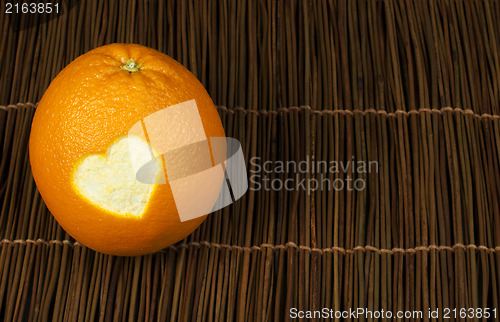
(90, 104)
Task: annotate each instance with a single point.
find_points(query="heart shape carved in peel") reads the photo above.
(109, 180)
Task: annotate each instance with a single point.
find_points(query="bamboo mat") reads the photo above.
(413, 85)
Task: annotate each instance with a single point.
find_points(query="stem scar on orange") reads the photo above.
(78, 136)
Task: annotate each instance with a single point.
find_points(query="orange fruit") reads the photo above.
(79, 128)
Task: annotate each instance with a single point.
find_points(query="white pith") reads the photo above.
(109, 180)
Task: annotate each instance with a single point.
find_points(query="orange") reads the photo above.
(86, 110)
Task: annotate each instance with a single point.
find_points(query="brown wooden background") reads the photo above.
(414, 85)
